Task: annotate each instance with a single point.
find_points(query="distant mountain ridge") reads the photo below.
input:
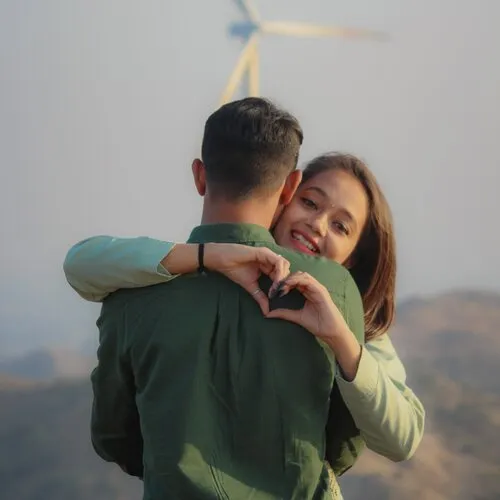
(451, 349)
(48, 364)
(449, 344)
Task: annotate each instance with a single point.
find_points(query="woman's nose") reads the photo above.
(319, 225)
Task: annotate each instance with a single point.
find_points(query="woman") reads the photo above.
(340, 213)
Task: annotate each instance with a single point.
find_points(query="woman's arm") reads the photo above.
(389, 415)
(98, 266)
(101, 265)
(371, 378)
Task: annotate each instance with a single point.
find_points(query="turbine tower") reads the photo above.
(252, 28)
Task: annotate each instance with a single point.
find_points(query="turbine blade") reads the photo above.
(253, 73)
(248, 9)
(252, 11)
(312, 30)
(241, 66)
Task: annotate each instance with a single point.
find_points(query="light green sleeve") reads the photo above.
(100, 265)
(389, 415)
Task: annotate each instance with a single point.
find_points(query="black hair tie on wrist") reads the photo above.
(201, 255)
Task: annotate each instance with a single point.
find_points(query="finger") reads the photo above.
(281, 270)
(292, 315)
(276, 288)
(311, 288)
(267, 256)
(260, 297)
(302, 279)
(283, 286)
(263, 302)
(272, 264)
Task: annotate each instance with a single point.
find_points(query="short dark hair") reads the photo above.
(249, 147)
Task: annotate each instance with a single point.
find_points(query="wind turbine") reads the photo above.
(252, 28)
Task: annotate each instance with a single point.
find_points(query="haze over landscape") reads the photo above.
(449, 345)
(102, 107)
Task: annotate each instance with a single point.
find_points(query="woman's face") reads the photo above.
(326, 216)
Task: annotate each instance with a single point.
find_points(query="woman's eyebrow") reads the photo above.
(318, 190)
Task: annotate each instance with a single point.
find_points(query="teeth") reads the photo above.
(306, 243)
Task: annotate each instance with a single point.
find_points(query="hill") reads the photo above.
(48, 364)
(46, 450)
(450, 347)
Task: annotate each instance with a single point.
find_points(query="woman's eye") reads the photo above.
(340, 226)
(309, 203)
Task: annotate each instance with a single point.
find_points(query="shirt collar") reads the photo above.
(230, 233)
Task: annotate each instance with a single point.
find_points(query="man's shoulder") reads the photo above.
(126, 297)
(156, 296)
(134, 306)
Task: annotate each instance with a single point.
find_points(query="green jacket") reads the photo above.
(204, 397)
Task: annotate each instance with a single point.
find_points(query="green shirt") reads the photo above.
(388, 414)
(206, 398)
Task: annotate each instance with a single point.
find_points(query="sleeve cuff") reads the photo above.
(152, 255)
(366, 380)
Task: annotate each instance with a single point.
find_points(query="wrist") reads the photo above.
(181, 259)
(347, 351)
(336, 337)
(211, 257)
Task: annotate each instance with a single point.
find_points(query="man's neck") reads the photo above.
(241, 213)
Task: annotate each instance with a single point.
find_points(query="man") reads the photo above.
(195, 390)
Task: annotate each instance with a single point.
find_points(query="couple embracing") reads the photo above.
(264, 368)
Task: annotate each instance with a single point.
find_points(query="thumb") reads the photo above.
(292, 315)
(263, 302)
(260, 297)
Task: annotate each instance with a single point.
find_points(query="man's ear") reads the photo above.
(291, 184)
(199, 176)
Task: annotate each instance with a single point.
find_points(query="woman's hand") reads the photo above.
(319, 315)
(245, 264)
(322, 318)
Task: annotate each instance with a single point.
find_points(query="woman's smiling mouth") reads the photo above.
(305, 242)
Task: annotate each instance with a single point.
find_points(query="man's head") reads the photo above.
(249, 155)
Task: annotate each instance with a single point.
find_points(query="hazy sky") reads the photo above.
(102, 105)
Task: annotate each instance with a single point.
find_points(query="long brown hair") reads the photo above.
(374, 258)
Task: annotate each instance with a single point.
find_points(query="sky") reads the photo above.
(102, 108)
